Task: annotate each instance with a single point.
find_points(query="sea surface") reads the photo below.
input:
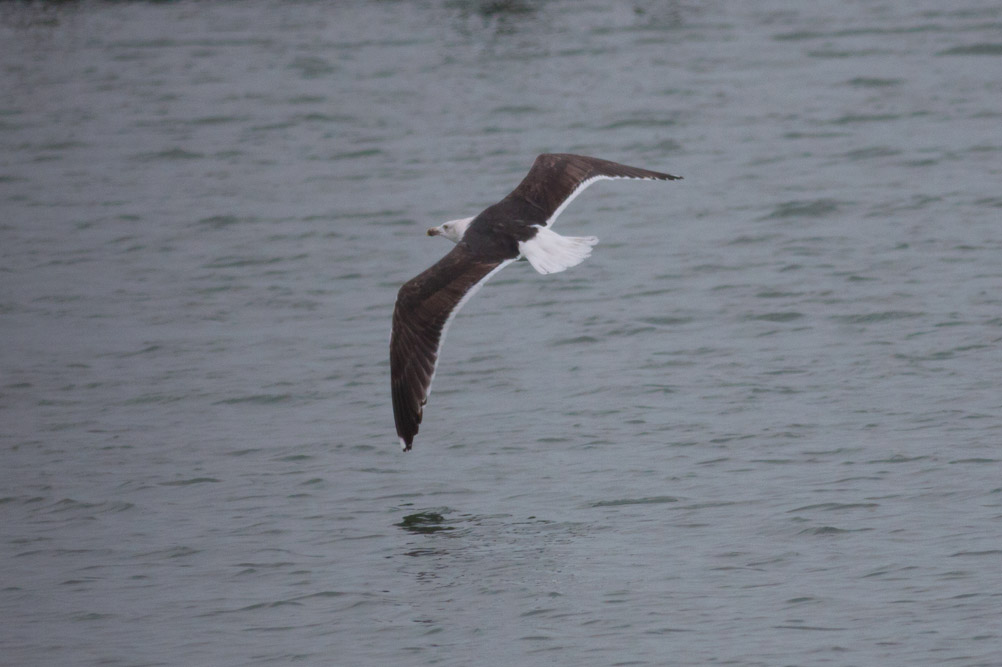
(760, 426)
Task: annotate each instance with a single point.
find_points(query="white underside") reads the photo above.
(549, 252)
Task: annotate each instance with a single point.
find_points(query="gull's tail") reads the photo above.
(549, 252)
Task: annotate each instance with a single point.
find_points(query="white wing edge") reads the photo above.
(584, 184)
(462, 302)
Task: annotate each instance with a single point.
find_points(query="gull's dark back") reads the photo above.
(553, 180)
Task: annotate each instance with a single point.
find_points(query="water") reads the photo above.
(759, 426)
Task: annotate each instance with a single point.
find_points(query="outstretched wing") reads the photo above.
(555, 179)
(424, 309)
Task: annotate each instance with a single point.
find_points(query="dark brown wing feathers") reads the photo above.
(424, 305)
(555, 176)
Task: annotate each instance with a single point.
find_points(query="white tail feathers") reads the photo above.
(549, 252)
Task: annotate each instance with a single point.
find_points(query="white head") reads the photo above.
(452, 230)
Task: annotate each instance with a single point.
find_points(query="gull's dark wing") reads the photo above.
(556, 178)
(425, 307)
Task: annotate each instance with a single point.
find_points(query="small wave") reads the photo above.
(189, 482)
(874, 82)
(782, 316)
(169, 154)
(835, 507)
(982, 49)
(577, 340)
(815, 208)
(262, 399)
(851, 118)
(870, 318)
(825, 530)
(652, 500)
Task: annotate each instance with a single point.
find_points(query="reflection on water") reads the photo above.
(424, 522)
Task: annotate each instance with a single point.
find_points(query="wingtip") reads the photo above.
(404, 445)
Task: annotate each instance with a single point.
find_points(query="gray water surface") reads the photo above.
(759, 426)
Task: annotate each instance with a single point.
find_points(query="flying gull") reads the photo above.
(520, 225)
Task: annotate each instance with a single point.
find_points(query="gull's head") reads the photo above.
(452, 230)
